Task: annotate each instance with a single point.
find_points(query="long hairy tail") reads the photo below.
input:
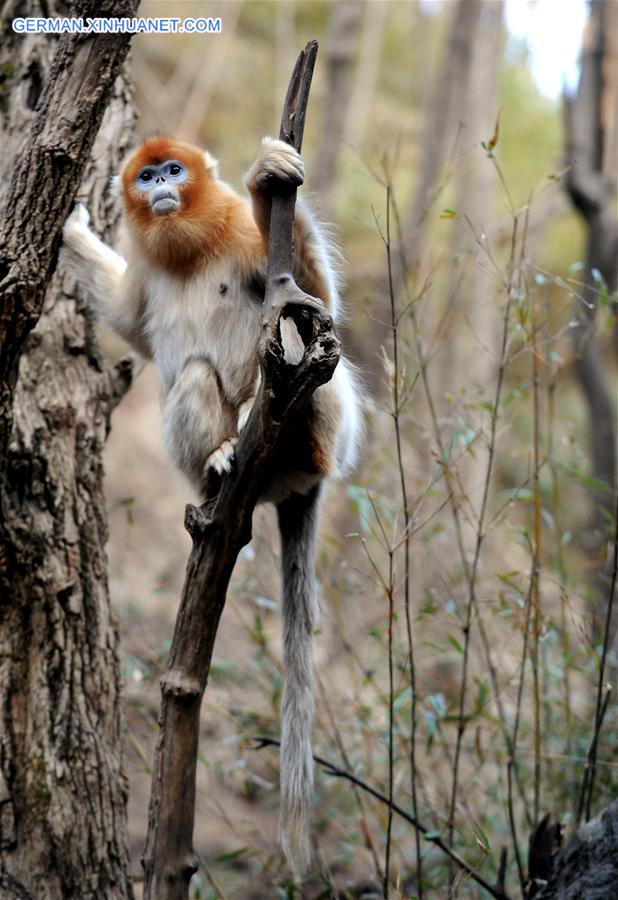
(297, 523)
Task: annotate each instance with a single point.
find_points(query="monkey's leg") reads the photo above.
(298, 517)
(199, 427)
(244, 410)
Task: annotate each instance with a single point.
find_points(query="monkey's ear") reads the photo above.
(115, 186)
(212, 164)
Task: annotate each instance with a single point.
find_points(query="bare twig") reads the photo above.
(366, 832)
(512, 761)
(536, 563)
(587, 788)
(451, 485)
(472, 604)
(284, 200)
(512, 824)
(428, 834)
(396, 415)
(391, 721)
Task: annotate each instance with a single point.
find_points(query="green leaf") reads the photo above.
(482, 839)
(521, 493)
(360, 499)
(455, 644)
(127, 503)
(507, 577)
(438, 702)
(234, 854)
(402, 698)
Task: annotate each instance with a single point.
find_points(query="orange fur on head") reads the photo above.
(211, 217)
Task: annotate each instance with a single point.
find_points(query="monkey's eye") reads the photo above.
(145, 177)
(174, 169)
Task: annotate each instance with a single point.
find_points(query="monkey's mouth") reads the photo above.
(164, 201)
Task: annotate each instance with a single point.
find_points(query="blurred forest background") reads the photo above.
(479, 521)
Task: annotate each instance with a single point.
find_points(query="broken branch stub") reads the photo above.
(281, 235)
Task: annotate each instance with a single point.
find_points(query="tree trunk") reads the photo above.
(206, 70)
(342, 34)
(473, 282)
(62, 789)
(450, 88)
(366, 77)
(587, 868)
(452, 85)
(591, 133)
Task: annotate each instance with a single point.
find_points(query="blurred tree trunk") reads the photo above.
(62, 789)
(367, 68)
(341, 45)
(475, 314)
(285, 53)
(450, 87)
(201, 76)
(474, 283)
(450, 95)
(591, 183)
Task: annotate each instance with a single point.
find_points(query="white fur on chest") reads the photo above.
(212, 315)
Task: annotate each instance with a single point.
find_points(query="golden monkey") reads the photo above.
(186, 291)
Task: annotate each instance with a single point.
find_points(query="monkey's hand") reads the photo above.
(76, 226)
(222, 458)
(277, 161)
(104, 266)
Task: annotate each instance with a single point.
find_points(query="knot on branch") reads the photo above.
(291, 385)
(198, 520)
(180, 685)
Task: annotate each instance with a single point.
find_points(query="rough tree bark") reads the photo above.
(591, 183)
(587, 867)
(222, 526)
(62, 790)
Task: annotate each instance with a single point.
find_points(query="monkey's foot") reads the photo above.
(244, 411)
(222, 458)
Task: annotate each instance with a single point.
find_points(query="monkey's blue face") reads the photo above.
(161, 183)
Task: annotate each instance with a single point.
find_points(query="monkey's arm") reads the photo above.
(315, 257)
(118, 297)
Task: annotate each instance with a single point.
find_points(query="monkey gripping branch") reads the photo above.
(222, 526)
